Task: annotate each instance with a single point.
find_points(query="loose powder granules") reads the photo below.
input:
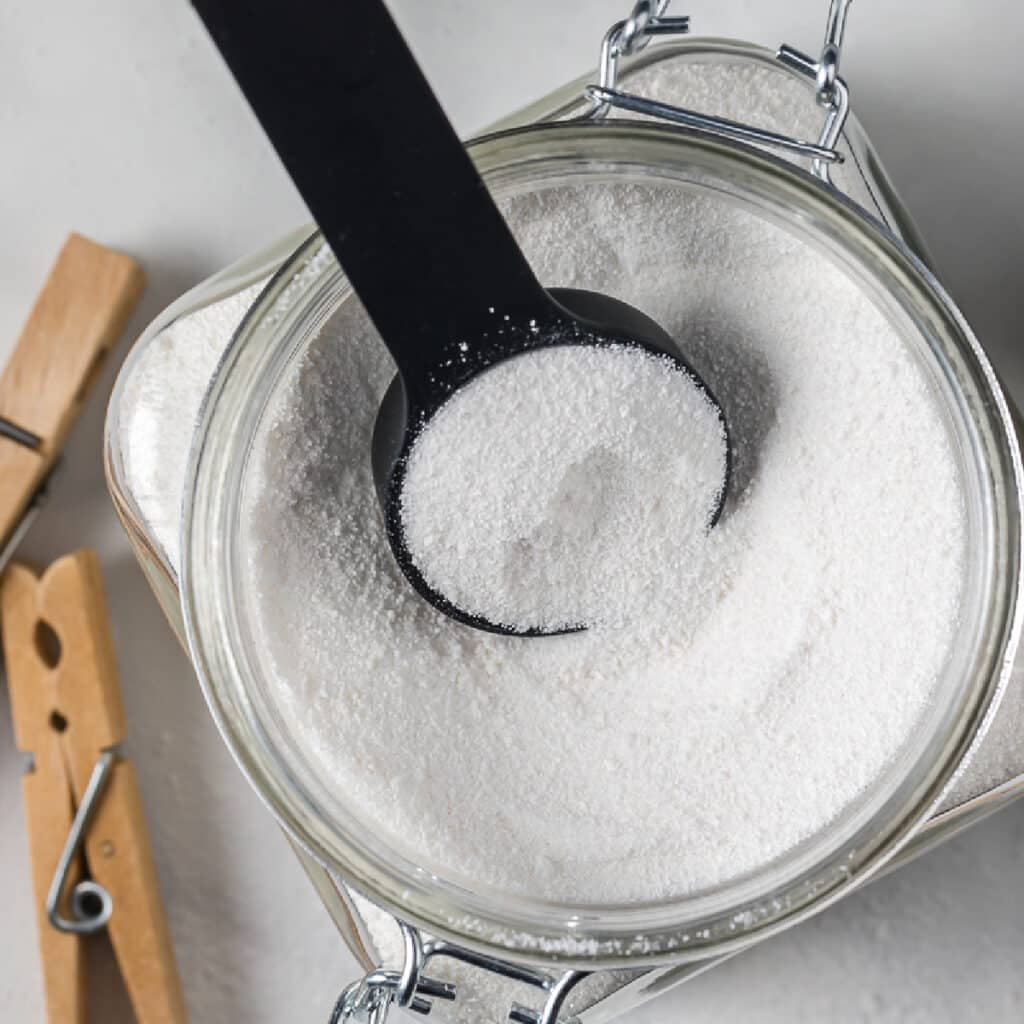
(740, 716)
(571, 486)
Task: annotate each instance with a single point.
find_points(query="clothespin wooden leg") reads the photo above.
(120, 859)
(71, 692)
(48, 814)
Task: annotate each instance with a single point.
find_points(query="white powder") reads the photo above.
(569, 486)
(746, 713)
(163, 391)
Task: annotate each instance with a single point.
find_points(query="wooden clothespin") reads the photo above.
(74, 324)
(81, 796)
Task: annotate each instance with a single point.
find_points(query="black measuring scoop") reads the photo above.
(398, 200)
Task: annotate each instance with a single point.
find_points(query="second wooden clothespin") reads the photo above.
(82, 800)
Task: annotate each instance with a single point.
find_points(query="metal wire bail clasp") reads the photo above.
(827, 75)
(630, 36)
(369, 1000)
(831, 91)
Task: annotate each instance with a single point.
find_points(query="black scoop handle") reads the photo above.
(382, 171)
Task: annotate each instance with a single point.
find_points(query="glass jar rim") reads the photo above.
(587, 935)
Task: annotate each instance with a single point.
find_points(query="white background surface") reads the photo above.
(117, 119)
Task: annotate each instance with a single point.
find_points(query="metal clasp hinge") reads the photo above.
(647, 20)
(369, 1000)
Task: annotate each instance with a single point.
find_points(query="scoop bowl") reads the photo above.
(576, 317)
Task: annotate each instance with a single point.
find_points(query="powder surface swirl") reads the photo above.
(569, 486)
(750, 707)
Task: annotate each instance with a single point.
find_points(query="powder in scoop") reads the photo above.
(570, 486)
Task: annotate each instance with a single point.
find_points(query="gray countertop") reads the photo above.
(119, 121)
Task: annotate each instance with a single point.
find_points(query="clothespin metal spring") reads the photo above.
(91, 905)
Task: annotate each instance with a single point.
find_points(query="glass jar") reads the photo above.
(199, 591)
